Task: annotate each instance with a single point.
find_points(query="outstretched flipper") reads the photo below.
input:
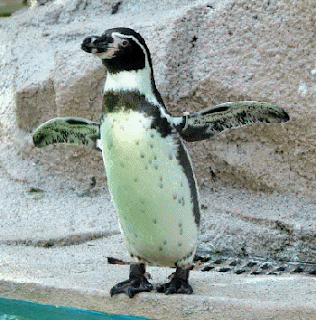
(208, 122)
(136, 283)
(67, 130)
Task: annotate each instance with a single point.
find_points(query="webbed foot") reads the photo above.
(178, 284)
(136, 283)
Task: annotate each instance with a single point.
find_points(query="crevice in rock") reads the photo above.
(65, 241)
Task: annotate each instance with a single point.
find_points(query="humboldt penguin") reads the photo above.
(149, 171)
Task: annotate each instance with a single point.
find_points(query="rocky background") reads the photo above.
(204, 53)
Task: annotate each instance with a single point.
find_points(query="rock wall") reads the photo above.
(204, 53)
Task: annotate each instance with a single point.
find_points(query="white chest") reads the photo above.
(149, 189)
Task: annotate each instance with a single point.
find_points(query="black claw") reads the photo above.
(178, 284)
(136, 283)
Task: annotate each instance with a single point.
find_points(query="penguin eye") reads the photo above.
(124, 43)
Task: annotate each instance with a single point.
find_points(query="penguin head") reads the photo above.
(121, 49)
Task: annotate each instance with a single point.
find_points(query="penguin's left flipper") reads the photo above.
(208, 122)
(75, 131)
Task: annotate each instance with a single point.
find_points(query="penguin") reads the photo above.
(149, 172)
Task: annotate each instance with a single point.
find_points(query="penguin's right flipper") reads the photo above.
(68, 130)
(208, 122)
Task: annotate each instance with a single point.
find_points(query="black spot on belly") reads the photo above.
(170, 157)
(165, 242)
(180, 229)
(135, 179)
(137, 143)
(155, 157)
(152, 135)
(160, 249)
(160, 185)
(181, 201)
(180, 244)
(155, 221)
(151, 146)
(142, 155)
(156, 166)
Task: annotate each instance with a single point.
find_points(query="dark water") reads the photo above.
(23, 310)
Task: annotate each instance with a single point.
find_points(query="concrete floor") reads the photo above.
(79, 276)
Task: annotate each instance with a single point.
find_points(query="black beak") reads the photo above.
(95, 44)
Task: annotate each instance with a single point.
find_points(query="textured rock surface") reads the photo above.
(204, 53)
(252, 50)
